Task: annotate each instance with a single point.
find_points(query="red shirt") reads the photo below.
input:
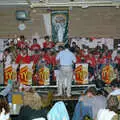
(46, 57)
(91, 61)
(109, 56)
(78, 59)
(35, 58)
(103, 60)
(117, 60)
(35, 47)
(48, 44)
(21, 44)
(82, 53)
(53, 60)
(24, 60)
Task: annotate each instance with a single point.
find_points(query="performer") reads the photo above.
(35, 46)
(23, 58)
(66, 59)
(7, 57)
(22, 43)
(47, 43)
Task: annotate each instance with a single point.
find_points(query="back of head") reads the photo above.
(91, 90)
(4, 104)
(7, 50)
(67, 46)
(34, 40)
(112, 103)
(60, 47)
(22, 37)
(115, 83)
(46, 37)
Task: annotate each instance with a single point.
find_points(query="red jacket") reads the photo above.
(35, 47)
(48, 44)
(24, 60)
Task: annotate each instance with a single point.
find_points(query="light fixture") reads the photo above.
(21, 26)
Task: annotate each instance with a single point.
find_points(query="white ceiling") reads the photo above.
(58, 2)
(13, 2)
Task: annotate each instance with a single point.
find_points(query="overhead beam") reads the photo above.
(80, 4)
(28, 1)
(12, 4)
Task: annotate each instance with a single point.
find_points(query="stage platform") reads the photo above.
(75, 89)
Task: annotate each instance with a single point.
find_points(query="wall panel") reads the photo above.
(92, 21)
(95, 21)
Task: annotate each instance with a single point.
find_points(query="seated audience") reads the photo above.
(110, 113)
(115, 85)
(58, 112)
(4, 109)
(89, 104)
(34, 106)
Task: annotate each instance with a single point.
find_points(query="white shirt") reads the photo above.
(39, 118)
(115, 92)
(114, 54)
(105, 114)
(1, 56)
(66, 57)
(8, 60)
(4, 116)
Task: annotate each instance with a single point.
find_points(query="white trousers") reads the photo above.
(65, 79)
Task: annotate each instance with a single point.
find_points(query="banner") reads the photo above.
(10, 73)
(47, 23)
(59, 26)
(107, 73)
(25, 74)
(44, 76)
(81, 73)
(109, 42)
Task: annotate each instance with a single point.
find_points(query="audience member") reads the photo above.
(115, 85)
(58, 112)
(110, 113)
(91, 103)
(4, 109)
